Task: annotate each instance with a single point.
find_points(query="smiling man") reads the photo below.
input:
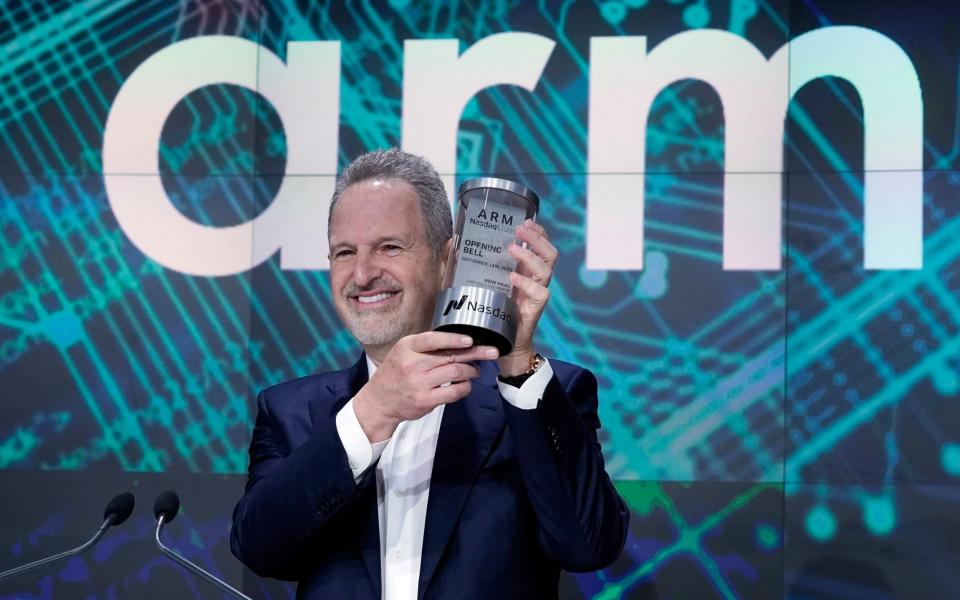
(431, 468)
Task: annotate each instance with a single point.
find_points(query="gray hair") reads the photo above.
(394, 163)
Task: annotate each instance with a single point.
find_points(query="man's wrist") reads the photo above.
(516, 363)
(518, 380)
(376, 426)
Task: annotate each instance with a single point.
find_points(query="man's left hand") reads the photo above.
(534, 270)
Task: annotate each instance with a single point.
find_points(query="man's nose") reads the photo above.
(365, 268)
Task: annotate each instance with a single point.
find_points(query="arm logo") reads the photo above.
(439, 80)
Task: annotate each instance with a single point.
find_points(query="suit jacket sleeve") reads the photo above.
(582, 520)
(298, 500)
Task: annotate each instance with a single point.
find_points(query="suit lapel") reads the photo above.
(342, 390)
(467, 432)
(343, 385)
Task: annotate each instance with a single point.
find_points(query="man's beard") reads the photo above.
(378, 326)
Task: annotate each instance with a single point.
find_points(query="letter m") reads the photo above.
(754, 92)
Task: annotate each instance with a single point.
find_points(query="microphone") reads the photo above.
(120, 508)
(165, 509)
(116, 512)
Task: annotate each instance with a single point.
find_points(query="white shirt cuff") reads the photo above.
(528, 395)
(360, 452)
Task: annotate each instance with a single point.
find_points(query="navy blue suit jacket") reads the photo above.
(515, 495)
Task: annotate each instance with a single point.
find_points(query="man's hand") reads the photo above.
(534, 270)
(413, 378)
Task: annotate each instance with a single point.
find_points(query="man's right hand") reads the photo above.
(412, 380)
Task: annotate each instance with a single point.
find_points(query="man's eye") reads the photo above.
(341, 255)
(391, 249)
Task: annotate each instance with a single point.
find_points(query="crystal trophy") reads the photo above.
(478, 298)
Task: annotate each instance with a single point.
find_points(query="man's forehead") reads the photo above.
(375, 210)
(376, 194)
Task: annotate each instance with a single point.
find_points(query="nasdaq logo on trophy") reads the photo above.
(477, 299)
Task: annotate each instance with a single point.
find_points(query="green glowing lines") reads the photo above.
(950, 458)
(653, 283)
(947, 381)
(62, 328)
(821, 524)
(879, 514)
(768, 537)
(644, 498)
(24, 440)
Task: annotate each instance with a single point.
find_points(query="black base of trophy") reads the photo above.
(488, 316)
(481, 336)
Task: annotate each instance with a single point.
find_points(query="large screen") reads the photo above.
(756, 207)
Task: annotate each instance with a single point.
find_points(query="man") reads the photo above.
(422, 471)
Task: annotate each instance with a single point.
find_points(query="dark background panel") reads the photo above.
(694, 540)
(872, 374)
(883, 542)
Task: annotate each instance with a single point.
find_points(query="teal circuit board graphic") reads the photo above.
(786, 433)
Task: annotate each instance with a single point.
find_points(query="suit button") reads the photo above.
(328, 503)
(554, 438)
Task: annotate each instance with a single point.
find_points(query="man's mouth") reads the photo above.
(375, 298)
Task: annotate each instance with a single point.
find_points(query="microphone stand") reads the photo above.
(224, 586)
(58, 557)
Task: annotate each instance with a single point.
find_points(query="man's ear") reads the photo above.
(444, 259)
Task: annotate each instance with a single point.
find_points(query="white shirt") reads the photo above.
(403, 479)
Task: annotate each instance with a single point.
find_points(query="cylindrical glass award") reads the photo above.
(477, 299)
